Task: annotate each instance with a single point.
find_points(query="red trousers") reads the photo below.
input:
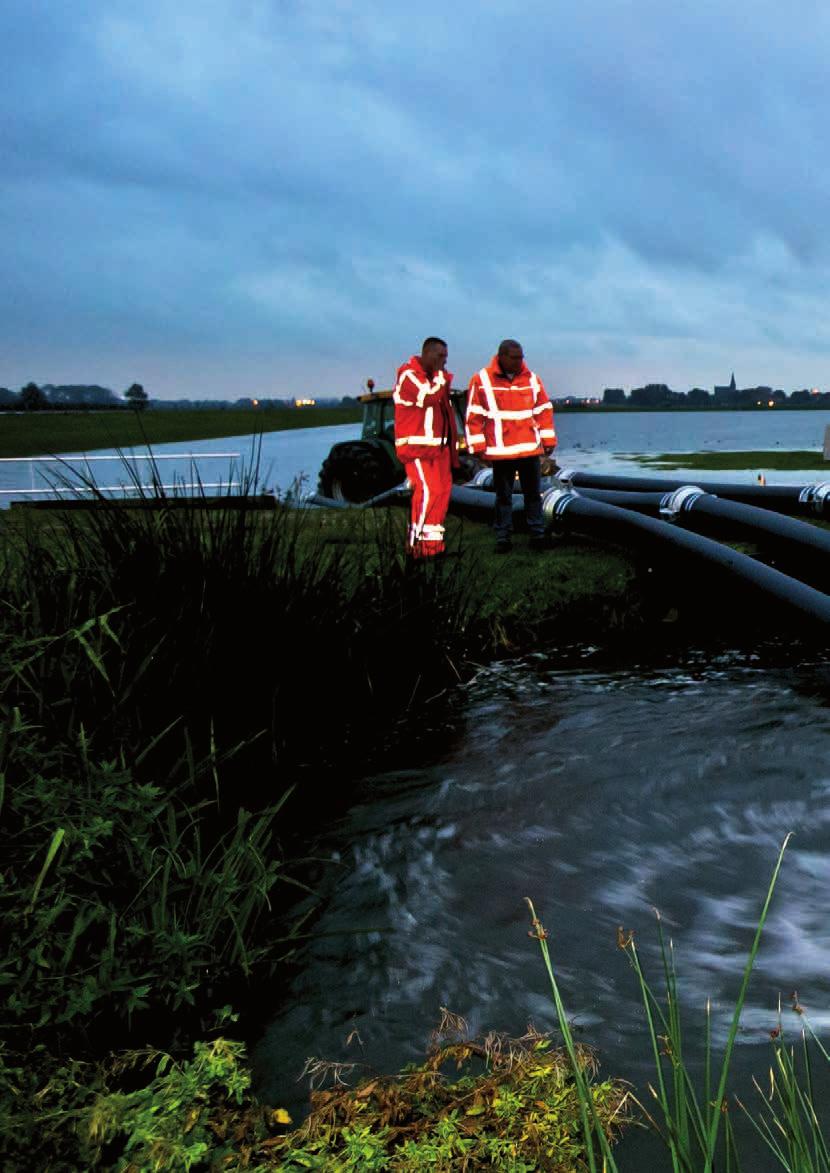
(431, 480)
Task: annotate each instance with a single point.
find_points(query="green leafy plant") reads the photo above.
(510, 1104)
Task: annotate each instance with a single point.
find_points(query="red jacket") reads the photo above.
(424, 417)
(508, 419)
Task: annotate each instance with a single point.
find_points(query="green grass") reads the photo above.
(760, 461)
(44, 433)
(151, 784)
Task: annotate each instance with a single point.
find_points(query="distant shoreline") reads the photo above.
(45, 433)
(685, 408)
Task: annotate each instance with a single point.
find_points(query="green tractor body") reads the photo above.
(356, 470)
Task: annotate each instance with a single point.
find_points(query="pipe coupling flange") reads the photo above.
(566, 475)
(815, 495)
(483, 479)
(678, 500)
(555, 502)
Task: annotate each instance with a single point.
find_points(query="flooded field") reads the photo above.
(601, 442)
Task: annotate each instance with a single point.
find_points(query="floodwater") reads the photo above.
(601, 442)
(602, 794)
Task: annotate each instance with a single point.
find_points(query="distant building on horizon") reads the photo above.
(727, 394)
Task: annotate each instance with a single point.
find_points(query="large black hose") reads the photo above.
(469, 501)
(781, 498)
(387, 497)
(714, 515)
(571, 511)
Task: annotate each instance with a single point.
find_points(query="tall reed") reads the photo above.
(689, 1110)
(173, 683)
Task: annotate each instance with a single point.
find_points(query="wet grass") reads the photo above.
(732, 461)
(176, 690)
(44, 433)
(181, 695)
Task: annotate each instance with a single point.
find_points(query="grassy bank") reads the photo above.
(732, 461)
(44, 433)
(185, 698)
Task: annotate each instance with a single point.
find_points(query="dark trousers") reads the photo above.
(530, 478)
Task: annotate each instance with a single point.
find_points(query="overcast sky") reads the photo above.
(219, 198)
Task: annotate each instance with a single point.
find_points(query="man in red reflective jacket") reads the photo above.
(426, 444)
(510, 425)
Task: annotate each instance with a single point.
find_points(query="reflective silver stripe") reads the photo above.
(428, 388)
(517, 415)
(419, 524)
(398, 396)
(511, 449)
(492, 405)
(424, 388)
(474, 409)
(428, 441)
(540, 407)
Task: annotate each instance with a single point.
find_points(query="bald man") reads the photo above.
(510, 425)
(426, 443)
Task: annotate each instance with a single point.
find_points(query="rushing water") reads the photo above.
(600, 441)
(601, 794)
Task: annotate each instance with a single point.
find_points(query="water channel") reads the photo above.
(603, 793)
(599, 441)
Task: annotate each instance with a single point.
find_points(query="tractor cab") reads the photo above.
(378, 416)
(356, 470)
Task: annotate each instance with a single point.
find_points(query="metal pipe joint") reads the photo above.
(679, 499)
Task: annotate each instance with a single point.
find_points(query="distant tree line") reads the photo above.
(72, 397)
(730, 395)
(247, 404)
(92, 397)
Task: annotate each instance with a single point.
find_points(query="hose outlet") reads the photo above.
(483, 479)
(815, 495)
(675, 502)
(554, 504)
(566, 475)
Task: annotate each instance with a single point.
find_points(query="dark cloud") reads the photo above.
(255, 190)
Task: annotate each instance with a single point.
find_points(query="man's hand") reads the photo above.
(547, 464)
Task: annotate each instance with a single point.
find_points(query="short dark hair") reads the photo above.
(509, 344)
(432, 342)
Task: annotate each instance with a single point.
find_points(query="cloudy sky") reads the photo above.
(260, 197)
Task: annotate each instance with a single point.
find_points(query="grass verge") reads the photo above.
(732, 461)
(43, 433)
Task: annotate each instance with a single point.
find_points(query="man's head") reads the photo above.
(434, 355)
(511, 356)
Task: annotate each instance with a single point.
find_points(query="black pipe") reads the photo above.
(796, 499)
(397, 491)
(470, 501)
(565, 509)
(702, 510)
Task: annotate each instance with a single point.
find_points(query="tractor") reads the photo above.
(356, 470)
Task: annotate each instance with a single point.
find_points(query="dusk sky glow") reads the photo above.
(276, 197)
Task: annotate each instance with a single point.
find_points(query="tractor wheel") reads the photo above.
(355, 472)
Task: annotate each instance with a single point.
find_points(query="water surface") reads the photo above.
(596, 441)
(602, 795)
